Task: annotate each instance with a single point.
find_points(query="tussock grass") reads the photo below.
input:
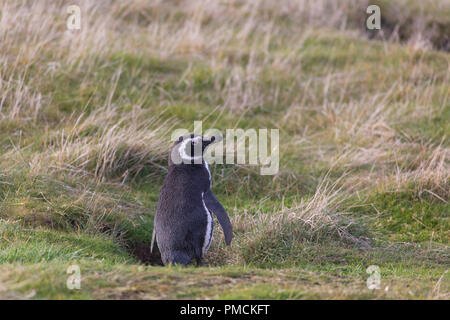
(112, 144)
(86, 117)
(421, 24)
(72, 205)
(272, 238)
(28, 246)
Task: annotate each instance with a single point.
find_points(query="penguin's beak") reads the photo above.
(212, 139)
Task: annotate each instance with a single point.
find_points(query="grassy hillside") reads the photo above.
(86, 116)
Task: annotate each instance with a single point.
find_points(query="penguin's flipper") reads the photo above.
(214, 206)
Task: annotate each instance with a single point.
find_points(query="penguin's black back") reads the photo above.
(181, 219)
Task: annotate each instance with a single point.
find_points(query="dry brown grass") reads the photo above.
(335, 118)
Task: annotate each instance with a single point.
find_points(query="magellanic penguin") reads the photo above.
(183, 220)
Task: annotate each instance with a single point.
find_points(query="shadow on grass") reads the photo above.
(141, 252)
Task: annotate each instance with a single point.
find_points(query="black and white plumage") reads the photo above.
(183, 220)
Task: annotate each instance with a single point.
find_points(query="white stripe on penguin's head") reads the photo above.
(182, 150)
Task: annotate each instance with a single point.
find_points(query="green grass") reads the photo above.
(363, 156)
(408, 218)
(29, 246)
(100, 280)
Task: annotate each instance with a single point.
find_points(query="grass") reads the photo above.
(86, 117)
(412, 219)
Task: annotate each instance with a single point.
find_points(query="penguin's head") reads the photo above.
(189, 149)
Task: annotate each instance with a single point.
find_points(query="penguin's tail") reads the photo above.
(153, 240)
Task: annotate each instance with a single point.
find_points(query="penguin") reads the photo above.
(183, 222)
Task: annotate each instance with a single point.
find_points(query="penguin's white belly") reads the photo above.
(209, 228)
